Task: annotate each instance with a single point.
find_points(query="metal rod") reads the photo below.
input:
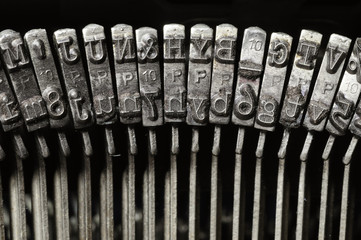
(300, 230)
(84, 192)
(193, 221)
(61, 198)
(17, 201)
(238, 224)
(257, 231)
(2, 223)
(215, 230)
(39, 198)
(106, 197)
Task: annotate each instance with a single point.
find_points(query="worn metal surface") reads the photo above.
(199, 75)
(124, 51)
(221, 93)
(250, 69)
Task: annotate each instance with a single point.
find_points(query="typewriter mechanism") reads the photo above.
(196, 128)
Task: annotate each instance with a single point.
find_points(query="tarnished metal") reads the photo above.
(291, 115)
(49, 83)
(149, 76)
(315, 120)
(16, 60)
(221, 93)
(326, 83)
(273, 82)
(250, 69)
(267, 114)
(126, 74)
(199, 74)
(17, 63)
(100, 80)
(73, 73)
(175, 91)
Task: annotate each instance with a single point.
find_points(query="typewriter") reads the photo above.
(171, 119)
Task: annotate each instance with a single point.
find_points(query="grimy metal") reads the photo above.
(47, 76)
(300, 79)
(149, 76)
(347, 95)
(326, 83)
(250, 69)
(17, 63)
(199, 74)
(354, 69)
(175, 92)
(125, 64)
(99, 74)
(10, 115)
(67, 48)
(221, 94)
(273, 81)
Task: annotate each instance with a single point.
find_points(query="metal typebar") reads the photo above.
(129, 104)
(220, 111)
(267, 114)
(198, 102)
(250, 71)
(291, 116)
(318, 110)
(175, 113)
(152, 114)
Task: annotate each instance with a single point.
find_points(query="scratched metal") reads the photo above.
(10, 115)
(347, 94)
(326, 83)
(273, 81)
(174, 68)
(199, 74)
(300, 79)
(223, 74)
(67, 49)
(250, 69)
(149, 76)
(17, 62)
(47, 77)
(126, 75)
(99, 74)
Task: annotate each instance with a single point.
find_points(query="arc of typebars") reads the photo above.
(316, 115)
(198, 83)
(267, 113)
(250, 69)
(220, 108)
(129, 104)
(152, 115)
(174, 113)
(291, 115)
(73, 72)
(41, 104)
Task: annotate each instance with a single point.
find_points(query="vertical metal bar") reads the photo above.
(106, 198)
(174, 112)
(61, 198)
(152, 112)
(40, 199)
(238, 217)
(193, 218)
(244, 108)
(84, 199)
(268, 113)
(215, 210)
(129, 104)
(316, 116)
(17, 201)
